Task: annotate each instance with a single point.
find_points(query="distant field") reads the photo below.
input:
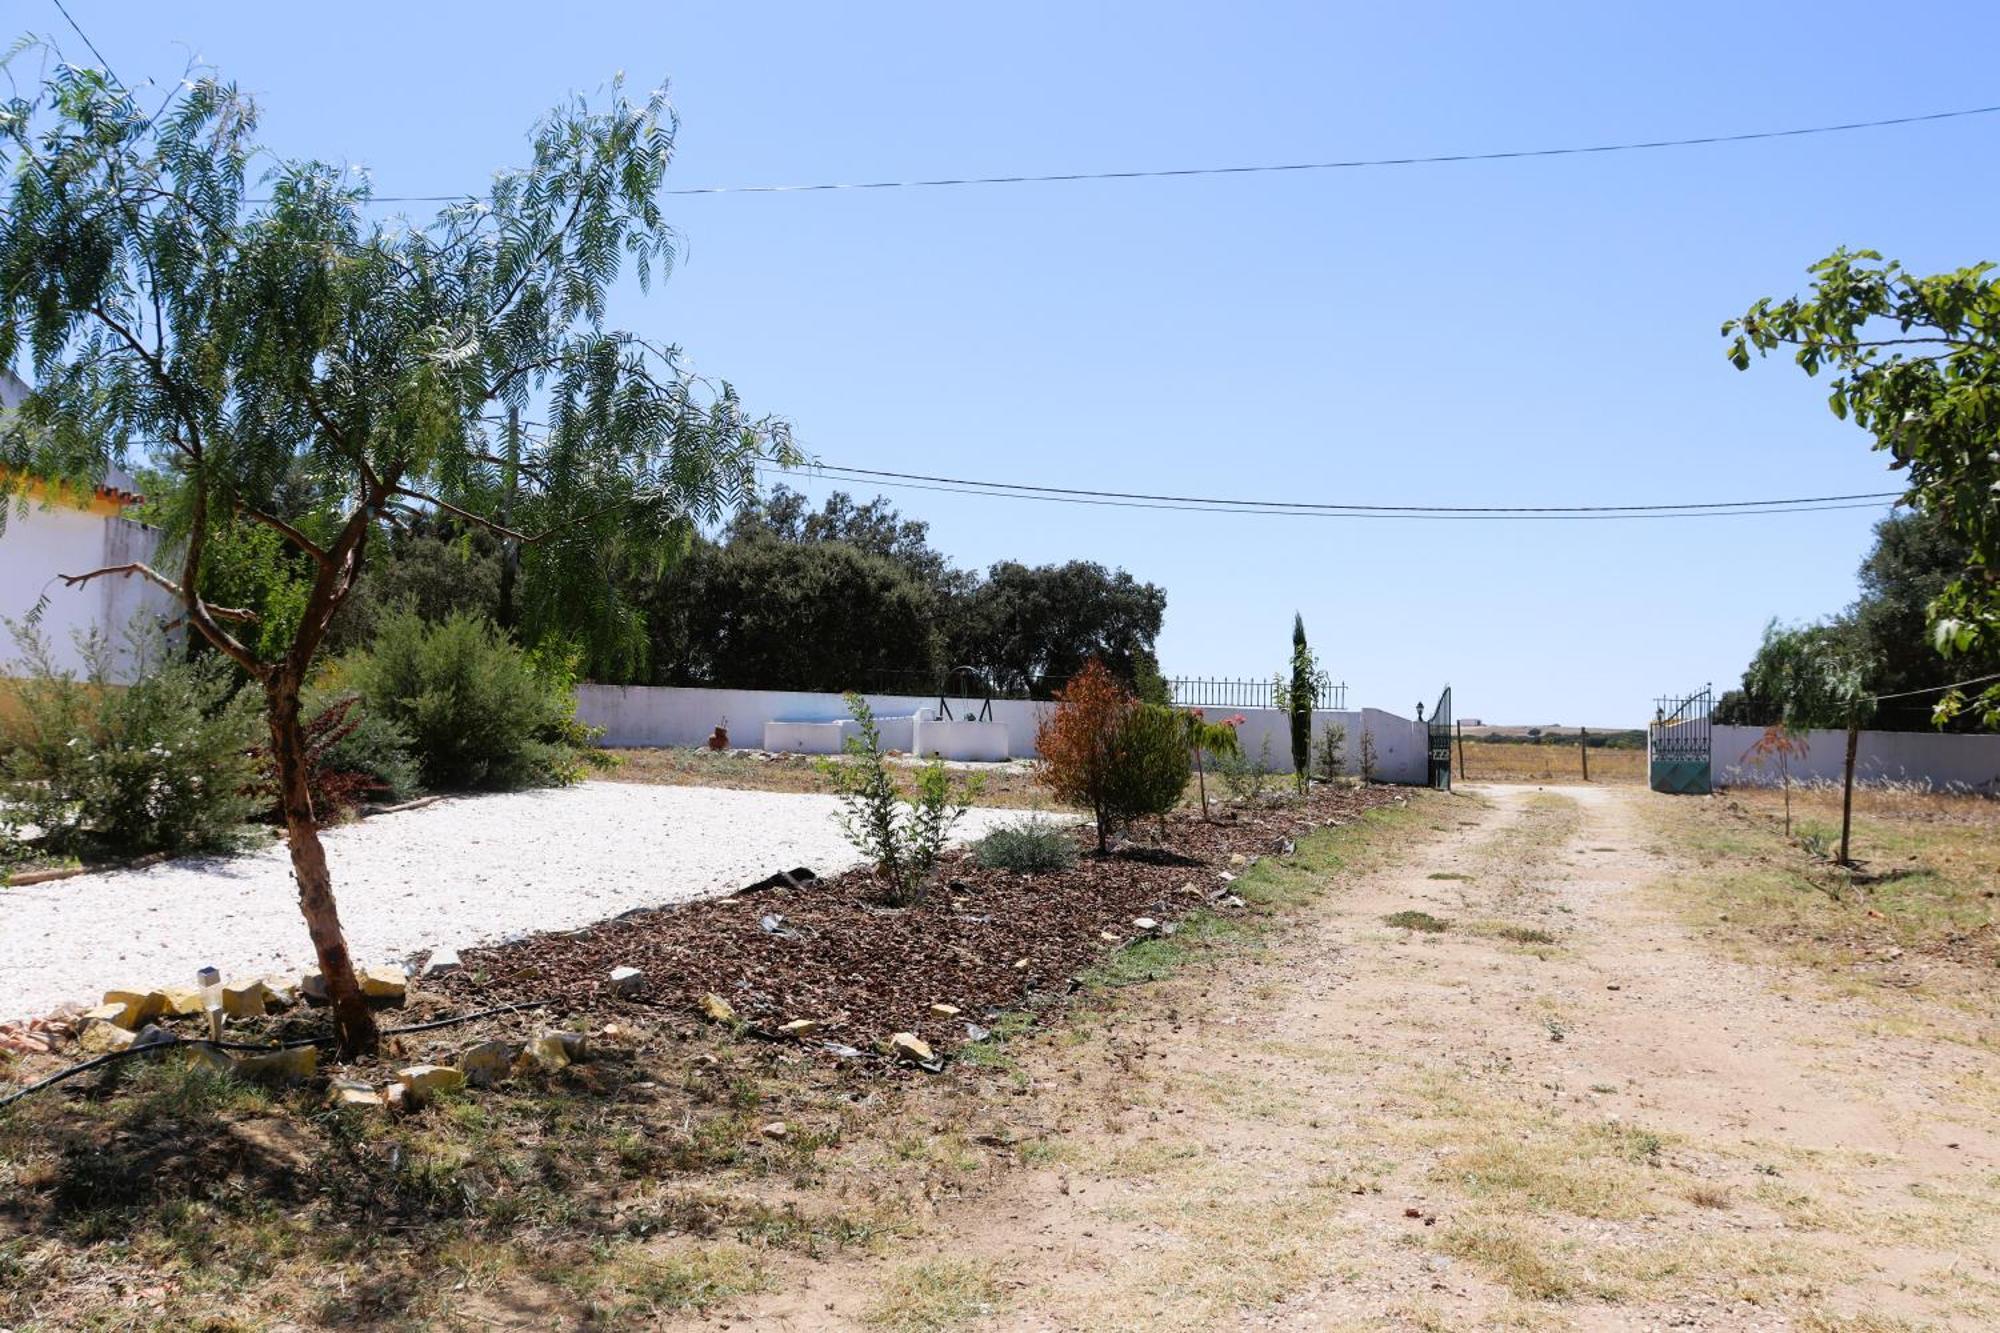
(1497, 761)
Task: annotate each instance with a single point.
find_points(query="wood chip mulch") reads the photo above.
(863, 971)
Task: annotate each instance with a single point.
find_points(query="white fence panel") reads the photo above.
(1944, 761)
(655, 715)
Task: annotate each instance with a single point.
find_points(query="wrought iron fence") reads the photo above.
(1223, 692)
(1182, 691)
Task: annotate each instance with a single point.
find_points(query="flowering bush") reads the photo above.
(97, 769)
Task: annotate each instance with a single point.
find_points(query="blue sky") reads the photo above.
(1540, 332)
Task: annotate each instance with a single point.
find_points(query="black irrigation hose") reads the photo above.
(177, 1043)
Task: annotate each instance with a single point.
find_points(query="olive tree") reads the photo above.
(302, 365)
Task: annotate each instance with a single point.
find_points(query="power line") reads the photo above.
(1935, 689)
(1305, 504)
(78, 29)
(1277, 509)
(1278, 168)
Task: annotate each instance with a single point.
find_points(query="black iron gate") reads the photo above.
(1440, 724)
(1677, 745)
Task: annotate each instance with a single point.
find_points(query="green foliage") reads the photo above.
(1329, 759)
(1805, 677)
(760, 613)
(480, 713)
(434, 568)
(1026, 845)
(1915, 558)
(1295, 698)
(1032, 627)
(109, 770)
(1247, 776)
(1917, 365)
(314, 369)
(1153, 763)
(903, 839)
(369, 746)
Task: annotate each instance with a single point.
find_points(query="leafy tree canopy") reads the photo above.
(302, 365)
(1917, 365)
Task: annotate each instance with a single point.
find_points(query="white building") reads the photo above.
(51, 531)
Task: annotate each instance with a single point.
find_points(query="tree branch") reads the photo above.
(152, 575)
(286, 530)
(465, 514)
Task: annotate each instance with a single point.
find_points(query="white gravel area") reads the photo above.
(464, 871)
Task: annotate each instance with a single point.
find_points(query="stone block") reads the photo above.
(286, 1066)
(488, 1062)
(420, 1083)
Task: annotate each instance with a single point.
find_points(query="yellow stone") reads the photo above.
(355, 1093)
(547, 1052)
(144, 1006)
(182, 1001)
(799, 1027)
(945, 1010)
(909, 1046)
(422, 1082)
(383, 983)
(717, 1008)
(119, 1015)
(245, 999)
(102, 1038)
(284, 1066)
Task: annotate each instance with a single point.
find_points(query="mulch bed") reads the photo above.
(864, 971)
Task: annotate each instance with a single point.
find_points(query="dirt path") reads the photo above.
(1561, 1111)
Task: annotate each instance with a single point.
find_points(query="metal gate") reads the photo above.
(1677, 744)
(1440, 724)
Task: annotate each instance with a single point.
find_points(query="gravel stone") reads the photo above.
(470, 869)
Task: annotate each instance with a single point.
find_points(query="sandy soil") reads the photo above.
(1562, 1111)
(459, 872)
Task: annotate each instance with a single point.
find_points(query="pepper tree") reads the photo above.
(301, 364)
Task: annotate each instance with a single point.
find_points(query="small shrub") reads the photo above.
(1209, 738)
(1369, 759)
(1027, 845)
(1153, 764)
(1329, 760)
(1419, 921)
(106, 770)
(354, 754)
(478, 711)
(1247, 776)
(1104, 750)
(904, 844)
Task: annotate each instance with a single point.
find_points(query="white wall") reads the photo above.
(38, 544)
(1883, 756)
(652, 715)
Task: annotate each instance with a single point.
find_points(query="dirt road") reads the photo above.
(1561, 1110)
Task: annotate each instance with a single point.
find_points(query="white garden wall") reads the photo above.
(41, 543)
(1940, 760)
(655, 715)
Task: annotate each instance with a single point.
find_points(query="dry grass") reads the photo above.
(1490, 761)
(1919, 914)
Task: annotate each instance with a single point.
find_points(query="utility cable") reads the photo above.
(1276, 168)
(1277, 509)
(1935, 689)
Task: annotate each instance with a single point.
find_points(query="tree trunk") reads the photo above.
(1201, 778)
(1847, 788)
(352, 1021)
